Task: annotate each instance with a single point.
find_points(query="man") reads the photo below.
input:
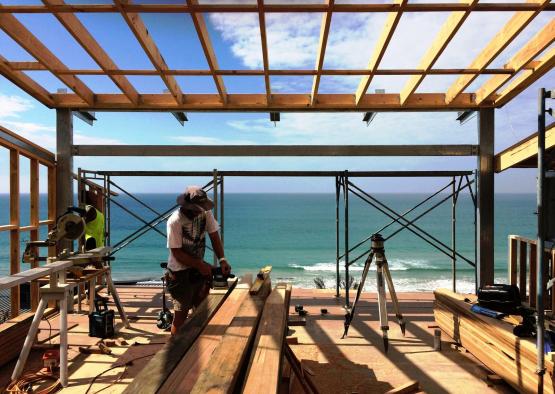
(189, 274)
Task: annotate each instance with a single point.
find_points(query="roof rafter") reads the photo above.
(527, 53)
(297, 7)
(87, 41)
(379, 51)
(503, 38)
(24, 82)
(444, 37)
(323, 43)
(204, 37)
(526, 78)
(264, 45)
(140, 31)
(19, 33)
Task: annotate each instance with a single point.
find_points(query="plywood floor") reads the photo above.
(356, 364)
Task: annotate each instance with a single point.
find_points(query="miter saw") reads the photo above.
(69, 226)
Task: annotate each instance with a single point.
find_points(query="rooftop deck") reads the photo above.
(358, 363)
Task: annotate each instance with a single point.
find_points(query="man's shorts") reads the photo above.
(188, 288)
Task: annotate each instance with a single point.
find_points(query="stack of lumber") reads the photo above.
(491, 341)
(238, 345)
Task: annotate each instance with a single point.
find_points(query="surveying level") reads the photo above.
(377, 252)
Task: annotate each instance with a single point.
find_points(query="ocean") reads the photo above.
(295, 233)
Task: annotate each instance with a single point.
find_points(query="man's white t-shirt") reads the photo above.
(189, 235)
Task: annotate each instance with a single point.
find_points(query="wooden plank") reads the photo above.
(14, 233)
(34, 221)
(8, 227)
(51, 205)
(532, 276)
(501, 40)
(264, 369)
(379, 51)
(523, 151)
(159, 368)
(99, 55)
(197, 358)
(407, 388)
(526, 78)
(204, 38)
(443, 38)
(19, 33)
(322, 44)
(261, 277)
(264, 45)
(25, 82)
(140, 31)
(280, 102)
(230, 355)
(525, 55)
(522, 251)
(513, 263)
(26, 148)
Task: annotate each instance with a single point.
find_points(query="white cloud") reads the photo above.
(202, 140)
(11, 106)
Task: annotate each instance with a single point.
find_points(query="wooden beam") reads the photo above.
(30, 66)
(14, 233)
(503, 38)
(379, 51)
(264, 44)
(485, 200)
(99, 55)
(524, 56)
(226, 362)
(323, 43)
(280, 102)
(34, 221)
(204, 38)
(11, 140)
(443, 38)
(197, 358)
(275, 8)
(264, 369)
(25, 82)
(273, 150)
(523, 151)
(526, 78)
(140, 31)
(159, 368)
(19, 33)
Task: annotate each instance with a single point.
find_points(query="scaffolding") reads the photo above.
(458, 182)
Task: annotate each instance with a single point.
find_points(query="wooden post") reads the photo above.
(513, 256)
(14, 233)
(64, 166)
(34, 221)
(51, 204)
(485, 190)
(522, 268)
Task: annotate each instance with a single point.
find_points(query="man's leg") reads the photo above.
(178, 320)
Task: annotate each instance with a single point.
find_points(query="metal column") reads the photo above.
(485, 192)
(64, 166)
(453, 235)
(222, 208)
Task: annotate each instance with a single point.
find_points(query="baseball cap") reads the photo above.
(195, 196)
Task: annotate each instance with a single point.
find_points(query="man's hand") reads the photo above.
(226, 268)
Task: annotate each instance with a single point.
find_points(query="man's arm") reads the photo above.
(219, 250)
(190, 261)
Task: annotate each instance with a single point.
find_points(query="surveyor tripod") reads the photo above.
(377, 252)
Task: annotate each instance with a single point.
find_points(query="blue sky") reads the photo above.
(293, 43)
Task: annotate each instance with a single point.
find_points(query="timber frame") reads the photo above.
(528, 64)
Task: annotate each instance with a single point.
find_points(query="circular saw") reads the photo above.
(70, 226)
